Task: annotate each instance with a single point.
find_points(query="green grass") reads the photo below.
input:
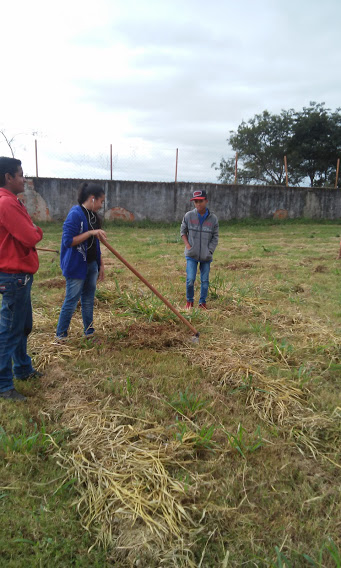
(262, 476)
(243, 442)
(39, 525)
(188, 403)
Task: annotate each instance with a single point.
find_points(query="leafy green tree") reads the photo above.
(316, 144)
(311, 140)
(261, 143)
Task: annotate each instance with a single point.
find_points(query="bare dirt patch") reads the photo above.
(238, 266)
(52, 283)
(152, 335)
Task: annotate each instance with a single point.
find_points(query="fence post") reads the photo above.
(176, 165)
(286, 171)
(36, 153)
(337, 172)
(236, 169)
(111, 161)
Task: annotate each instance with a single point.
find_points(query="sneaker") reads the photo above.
(59, 340)
(189, 305)
(12, 394)
(34, 375)
(203, 306)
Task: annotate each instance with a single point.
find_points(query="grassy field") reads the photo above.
(146, 450)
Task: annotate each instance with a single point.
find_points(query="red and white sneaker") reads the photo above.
(189, 305)
(202, 306)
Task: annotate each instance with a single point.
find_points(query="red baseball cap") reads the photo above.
(200, 194)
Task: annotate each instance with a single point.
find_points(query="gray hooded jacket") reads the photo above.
(202, 238)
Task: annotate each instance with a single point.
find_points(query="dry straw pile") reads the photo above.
(128, 475)
(276, 400)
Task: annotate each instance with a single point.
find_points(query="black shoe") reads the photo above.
(12, 394)
(34, 375)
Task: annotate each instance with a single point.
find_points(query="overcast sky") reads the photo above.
(150, 76)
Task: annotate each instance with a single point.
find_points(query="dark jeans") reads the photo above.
(15, 326)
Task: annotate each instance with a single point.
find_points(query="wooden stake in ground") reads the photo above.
(236, 169)
(36, 154)
(154, 290)
(337, 172)
(176, 165)
(286, 171)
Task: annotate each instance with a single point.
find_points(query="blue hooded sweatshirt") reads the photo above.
(73, 259)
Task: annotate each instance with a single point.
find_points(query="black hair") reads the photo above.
(8, 166)
(86, 189)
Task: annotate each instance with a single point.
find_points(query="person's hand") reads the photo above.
(188, 246)
(99, 233)
(101, 273)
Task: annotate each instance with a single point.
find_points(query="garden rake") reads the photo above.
(195, 338)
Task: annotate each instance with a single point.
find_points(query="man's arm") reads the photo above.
(184, 232)
(18, 223)
(215, 237)
(185, 240)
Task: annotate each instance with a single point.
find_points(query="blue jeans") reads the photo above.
(191, 273)
(15, 326)
(84, 290)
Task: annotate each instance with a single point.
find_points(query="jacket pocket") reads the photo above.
(192, 252)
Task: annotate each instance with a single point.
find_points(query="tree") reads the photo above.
(311, 140)
(316, 143)
(261, 144)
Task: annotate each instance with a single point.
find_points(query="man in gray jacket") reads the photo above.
(199, 231)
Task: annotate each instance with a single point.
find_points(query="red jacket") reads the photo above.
(18, 236)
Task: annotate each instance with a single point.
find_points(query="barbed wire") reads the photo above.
(44, 157)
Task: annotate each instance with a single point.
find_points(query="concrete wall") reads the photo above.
(50, 199)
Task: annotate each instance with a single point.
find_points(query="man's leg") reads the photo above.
(22, 364)
(73, 292)
(88, 296)
(191, 273)
(16, 303)
(204, 281)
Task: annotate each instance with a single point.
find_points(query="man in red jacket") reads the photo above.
(18, 263)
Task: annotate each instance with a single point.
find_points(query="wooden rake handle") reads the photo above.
(47, 250)
(150, 286)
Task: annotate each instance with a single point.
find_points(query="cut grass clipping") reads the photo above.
(225, 454)
(125, 473)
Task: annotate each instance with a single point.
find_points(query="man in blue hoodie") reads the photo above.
(199, 231)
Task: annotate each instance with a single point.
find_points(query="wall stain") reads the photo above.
(119, 213)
